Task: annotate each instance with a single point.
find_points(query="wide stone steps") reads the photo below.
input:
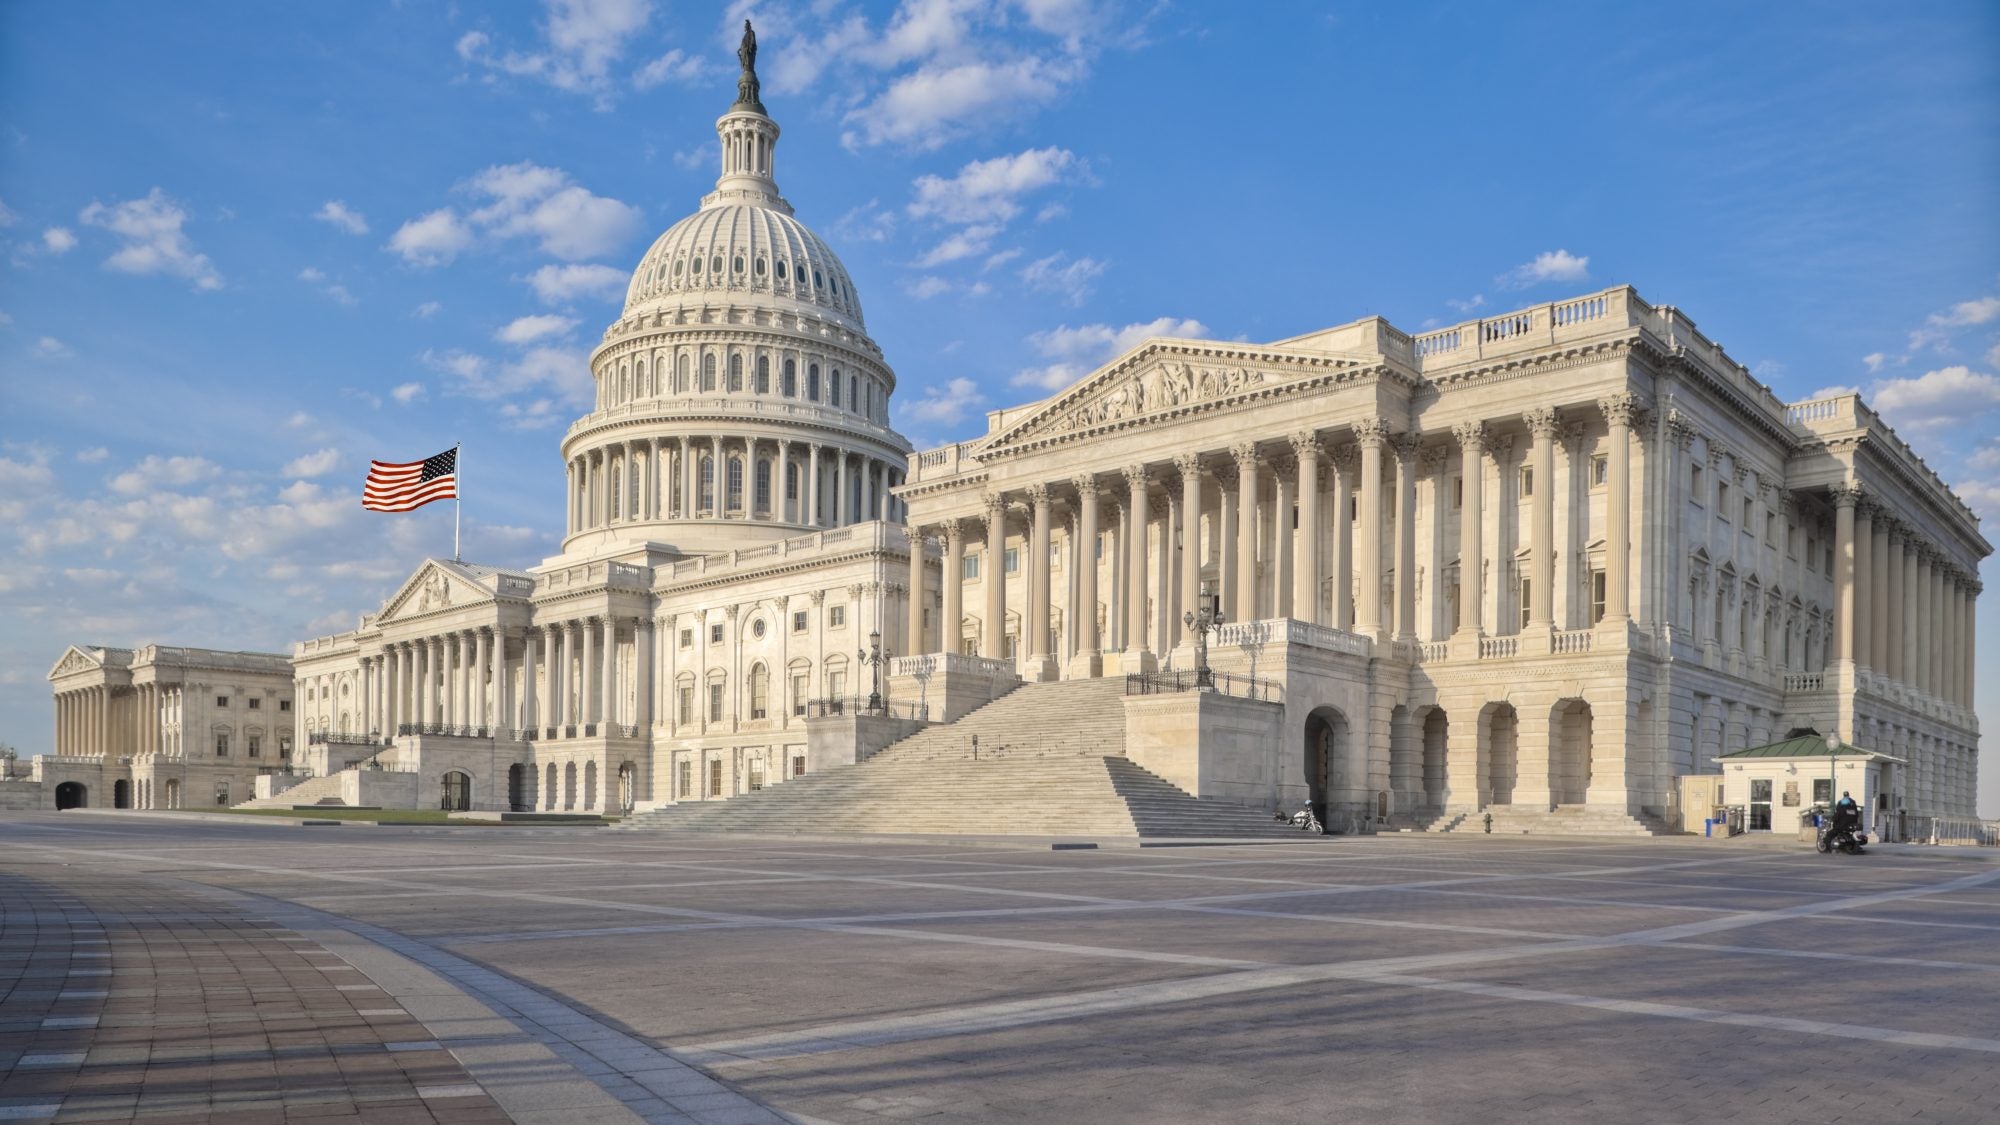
(1050, 763)
(311, 791)
(1564, 821)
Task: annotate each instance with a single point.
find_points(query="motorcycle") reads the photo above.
(1842, 838)
(1304, 820)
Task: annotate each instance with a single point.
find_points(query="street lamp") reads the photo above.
(1832, 771)
(1201, 622)
(872, 657)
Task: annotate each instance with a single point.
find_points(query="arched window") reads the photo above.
(682, 380)
(763, 375)
(791, 482)
(868, 398)
(763, 486)
(760, 692)
(617, 493)
(644, 390)
(812, 382)
(735, 373)
(791, 385)
(735, 483)
(833, 389)
(708, 372)
(706, 482)
(854, 392)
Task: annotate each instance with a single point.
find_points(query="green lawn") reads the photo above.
(383, 816)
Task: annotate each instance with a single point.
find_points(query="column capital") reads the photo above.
(1679, 430)
(1471, 435)
(1371, 433)
(1622, 408)
(1135, 476)
(1345, 458)
(1407, 446)
(1244, 453)
(1432, 458)
(1085, 484)
(994, 504)
(1189, 464)
(1844, 495)
(1283, 465)
(1542, 422)
(1038, 494)
(954, 530)
(1305, 444)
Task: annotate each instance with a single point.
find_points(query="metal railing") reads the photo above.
(448, 730)
(1222, 683)
(859, 705)
(1913, 828)
(344, 738)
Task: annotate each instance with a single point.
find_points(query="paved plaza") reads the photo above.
(160, 968)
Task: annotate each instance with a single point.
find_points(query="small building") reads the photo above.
(1779, 780)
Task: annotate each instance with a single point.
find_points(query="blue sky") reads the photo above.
(250, 246)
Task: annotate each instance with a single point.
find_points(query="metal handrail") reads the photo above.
(1224, 683)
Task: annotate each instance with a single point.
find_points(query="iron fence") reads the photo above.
(865, 705)
(1222, 683)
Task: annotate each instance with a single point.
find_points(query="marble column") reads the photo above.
(1898, 622)
(586, 676)
(1089, 660)
(609, 711)
(1227, 522)
(1620, 410)
(642, 671)
(993, 630)
(1248, 486)
(1278, 572)
(1042, 662)
(1878, 594)
(812, 487)
(1138, 507)
(913, 637)
(1543, 425)
(530, 715)
(1921, 622)
(1190, 469)
(1864, 581)
(1372, 434)
(1407, 446)
(951, 624)
(1471, 527)
(1345, 461)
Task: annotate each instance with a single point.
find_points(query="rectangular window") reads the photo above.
(1696, 491)
(687, 638)
(256, 749)
(836, 684)
(1013, 560)
(1527, 600)
(1822, 790)
(800, 619)
(1722, 499)
(836, 616)
(715, 634)
(256, 704)
(760, 691)
(221, 793)
(222, 746)
(284, 704)
(686, 778)
(1596, 596)
(1600, 470)
(1749, 511)
(285, 747)
(799, 694)
(715, 777)
(972, 563)
(222, 701)
(715, 703)
(1771, 529)
(756, 775)
(1457, 493)
(687, 703)
(1527, 481)
(798, 765)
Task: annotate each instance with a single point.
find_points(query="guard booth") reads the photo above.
(1777, 782)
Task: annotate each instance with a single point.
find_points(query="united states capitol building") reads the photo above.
(1538, 564)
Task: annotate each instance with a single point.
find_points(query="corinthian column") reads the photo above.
(1407, 448)
(1372, 434)
(951, 625)
(1844, 499)
(1137, 655)
(1189, 465)
(1041, 662)
(1247, 487)
(1864, 582)
(1620, 410)
(993, 635)
(1471, 527)
(1305, 541)
(1543, 425)
(1089, 659)
(913, 641)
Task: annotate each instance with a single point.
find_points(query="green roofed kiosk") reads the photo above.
(1779, 780)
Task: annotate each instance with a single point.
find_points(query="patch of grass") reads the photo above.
(380, 816)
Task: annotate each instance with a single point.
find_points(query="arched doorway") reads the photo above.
(121, 794)
(173, 791)
(519, 779)
(569, 786)
(457, 795)
(1499, 752)
(589, 785)
(72, 795)
(549, 790)
(1325, 759)
(1569, 752)
(1437, 732)
(628, 787)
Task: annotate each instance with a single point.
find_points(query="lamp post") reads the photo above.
(1832, 771)
(872, 658)
(1201, 622)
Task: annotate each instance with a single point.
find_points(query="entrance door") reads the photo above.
(1760, 805)
(71, 795)
(121, 794)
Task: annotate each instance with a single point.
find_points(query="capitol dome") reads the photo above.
(739, 398)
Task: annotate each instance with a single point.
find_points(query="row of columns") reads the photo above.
(463, 678)
(1295, 552)
(1902, 609)
(83, 722)
(659, 478)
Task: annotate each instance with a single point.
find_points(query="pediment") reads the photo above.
(1160, 377)
(436, 585)
(73, 661)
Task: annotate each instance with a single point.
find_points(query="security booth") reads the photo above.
(1778, 782)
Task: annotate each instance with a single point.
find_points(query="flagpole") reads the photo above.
(457, 493)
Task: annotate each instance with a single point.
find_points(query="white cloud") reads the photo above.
(1549, 265)
(93, 455)
(700, 156)
(1832, 392)
(48, 347)
(7, 217)
(432, 239)
(924, 288)
(1056, 274)
(527, 329)
(1874, 361)
(997, 260)
(557, 284)
(156, 473)
(58, 240)
(967, 243)
(541, 370)
(541, 203)
(1946, 396)
(581, 42)
(866, 223)
(1079, 349)
(427, 310)
(1937, 329)
(407, 393)
(314, 276)
(538, 414)
(944, 406)
(937, 103)
(339, 214)
(153, 241)
(299, 420)
(990, 190)
(1467, 305)
(674, 66)
(315, 464)
(1993, 356)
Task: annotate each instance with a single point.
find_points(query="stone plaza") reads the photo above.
(167, 967)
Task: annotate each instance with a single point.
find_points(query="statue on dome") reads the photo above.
(746, 84)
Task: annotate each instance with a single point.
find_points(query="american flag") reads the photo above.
(402, 487)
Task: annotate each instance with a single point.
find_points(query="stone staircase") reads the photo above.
(1564, 820)
(1050, 762)
(321, 790)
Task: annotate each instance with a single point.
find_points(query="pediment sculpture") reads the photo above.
(1164, 386)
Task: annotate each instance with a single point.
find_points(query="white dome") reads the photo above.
(727, 251)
